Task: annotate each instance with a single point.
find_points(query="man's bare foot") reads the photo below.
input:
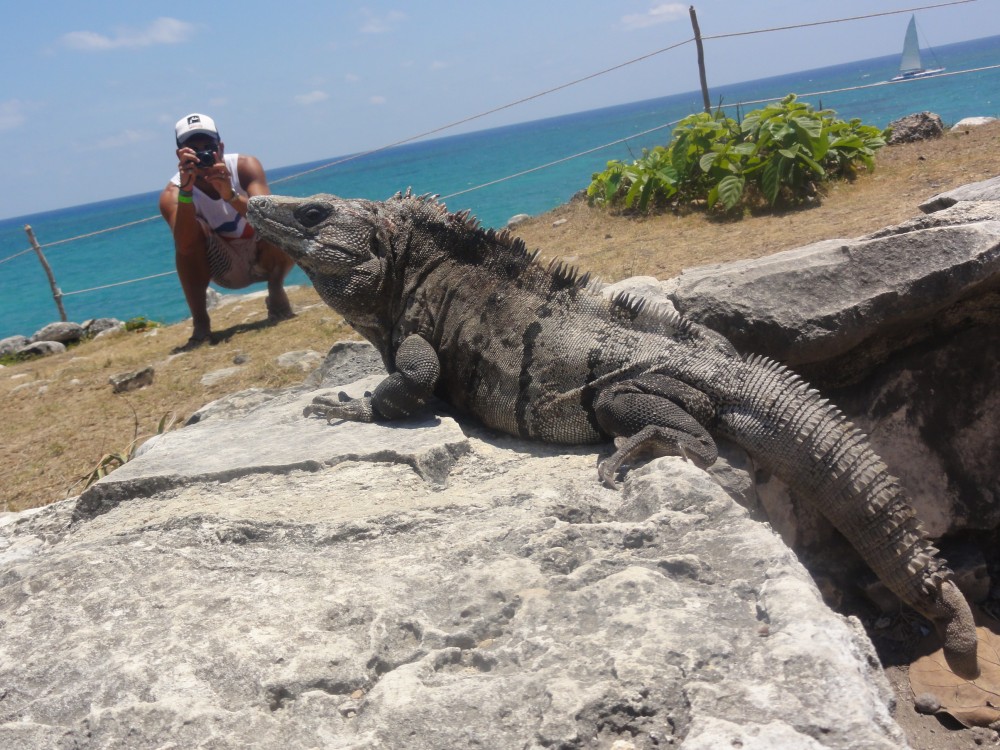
(279, 310)
(193, 343)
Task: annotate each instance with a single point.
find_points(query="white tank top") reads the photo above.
(222, 218)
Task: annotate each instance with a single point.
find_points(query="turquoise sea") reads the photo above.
(443, 166)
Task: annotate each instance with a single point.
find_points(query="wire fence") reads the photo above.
(38, 247)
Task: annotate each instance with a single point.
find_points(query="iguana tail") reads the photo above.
(823, 458)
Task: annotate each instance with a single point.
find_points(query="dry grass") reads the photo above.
(58, 416)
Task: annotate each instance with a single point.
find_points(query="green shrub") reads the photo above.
(778, 154)
(140, 323)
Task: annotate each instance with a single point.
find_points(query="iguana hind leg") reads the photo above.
(652, 416)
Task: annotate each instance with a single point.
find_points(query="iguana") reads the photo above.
(470, 315)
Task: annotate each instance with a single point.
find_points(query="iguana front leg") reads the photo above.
(398, 395)
(651, 416)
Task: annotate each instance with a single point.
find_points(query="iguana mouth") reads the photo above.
(260, 214)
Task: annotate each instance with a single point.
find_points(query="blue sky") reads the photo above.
(91, 90)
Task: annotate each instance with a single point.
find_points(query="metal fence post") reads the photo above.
(56, 292)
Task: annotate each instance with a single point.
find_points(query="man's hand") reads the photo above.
(187, 167)
(218, 177)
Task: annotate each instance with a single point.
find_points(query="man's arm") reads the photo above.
(252, 178)
(180, 215)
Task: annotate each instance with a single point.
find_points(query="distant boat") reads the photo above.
(910, 65)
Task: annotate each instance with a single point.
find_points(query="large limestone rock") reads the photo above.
(899, 329)
(259, 579)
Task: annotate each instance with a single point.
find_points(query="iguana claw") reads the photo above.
(346, 408)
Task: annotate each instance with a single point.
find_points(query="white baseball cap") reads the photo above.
(195, 124)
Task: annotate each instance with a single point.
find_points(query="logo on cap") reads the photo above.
(193, 119)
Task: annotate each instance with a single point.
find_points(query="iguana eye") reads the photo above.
(311, 214)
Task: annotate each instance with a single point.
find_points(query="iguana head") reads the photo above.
(324, 234)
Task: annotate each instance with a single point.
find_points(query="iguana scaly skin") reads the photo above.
(468, 314)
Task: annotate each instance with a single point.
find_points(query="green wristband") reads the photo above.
(183, 197)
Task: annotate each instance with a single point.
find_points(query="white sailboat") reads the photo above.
(910, 65)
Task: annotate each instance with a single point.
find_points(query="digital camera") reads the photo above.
(206, 157)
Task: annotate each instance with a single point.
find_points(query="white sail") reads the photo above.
(910, 62)
(910, 65)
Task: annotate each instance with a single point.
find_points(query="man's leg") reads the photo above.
(276, 265)
(194, 273)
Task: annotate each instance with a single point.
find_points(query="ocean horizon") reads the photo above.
(443, 166)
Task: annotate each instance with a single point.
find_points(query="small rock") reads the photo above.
(212, 298)
(211, 378)
(11, 344)
(240, 358)
(27, 386)
(516, 219)
(927, 703)
(559, 222)
(972, 122)
(131, 381)
(62, 332)
(306, 360)
(98, 326)
(920, 126)
(41, 349)
(348, 709)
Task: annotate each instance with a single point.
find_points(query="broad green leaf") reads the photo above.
(771, 180)
(713, 197)
(811, 126)
(730, 190)
(815, 167)
(645, 195)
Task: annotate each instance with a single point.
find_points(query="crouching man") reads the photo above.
(205, 204)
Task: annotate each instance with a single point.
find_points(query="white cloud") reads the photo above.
(160, 31)
(438, 65)
(377, 100)
(352, 77)
(124, 138)
(11, 114)
(381, 24)
(313, 97)
(662, 13)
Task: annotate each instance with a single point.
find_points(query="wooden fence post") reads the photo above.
(56, 292)
(701, 61)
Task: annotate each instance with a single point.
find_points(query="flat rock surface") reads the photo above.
(260, 579)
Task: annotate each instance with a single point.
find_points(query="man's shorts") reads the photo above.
(232, 260)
